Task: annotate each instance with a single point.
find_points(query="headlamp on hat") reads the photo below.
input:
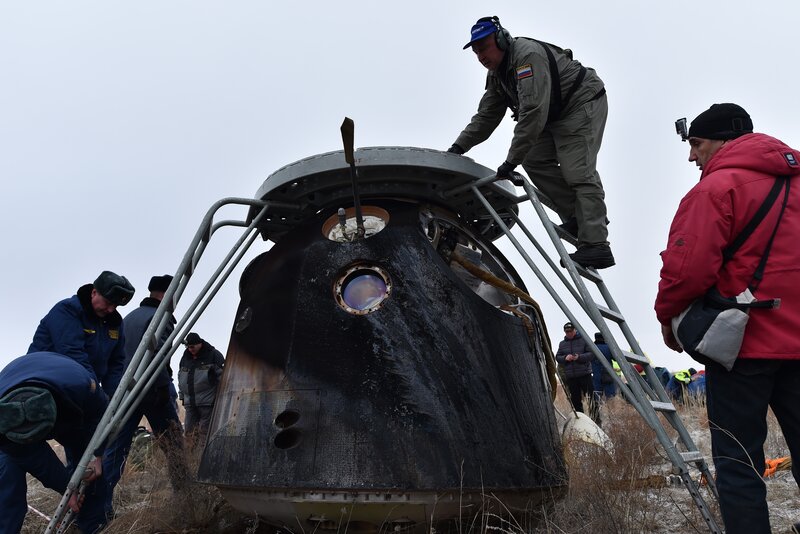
(681, 129)
(721, 122)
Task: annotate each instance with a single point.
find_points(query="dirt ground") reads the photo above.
(602, 495)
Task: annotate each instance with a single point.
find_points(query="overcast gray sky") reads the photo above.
(122, 122)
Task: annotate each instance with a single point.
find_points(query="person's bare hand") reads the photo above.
(669, 338)
(75, 502)
(94, 470)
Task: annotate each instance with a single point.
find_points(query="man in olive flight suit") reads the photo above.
(560, 107)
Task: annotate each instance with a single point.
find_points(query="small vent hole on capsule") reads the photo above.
(287, 418)
(286, 439)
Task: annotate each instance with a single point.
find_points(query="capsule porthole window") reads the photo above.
(362, 289)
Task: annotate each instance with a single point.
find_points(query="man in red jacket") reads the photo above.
(739, 168)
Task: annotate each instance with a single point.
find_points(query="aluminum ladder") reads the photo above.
(146, 363)
(645, 393)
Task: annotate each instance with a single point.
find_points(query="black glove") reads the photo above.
(455, 149)
(504, 170)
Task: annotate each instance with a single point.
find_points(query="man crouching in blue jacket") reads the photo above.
(44, 395)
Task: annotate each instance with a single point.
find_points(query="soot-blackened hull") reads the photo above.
(426, 404)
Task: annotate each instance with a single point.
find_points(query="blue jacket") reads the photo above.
(136, 323)
(79, 402)
(698, 385)
(73, 329)
(599, 374)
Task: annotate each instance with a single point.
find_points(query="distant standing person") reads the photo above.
(678, 384)
(739, 168)
(560, 107)
(198, 378)
(46, 396)
(156, 405)
(87, 328)
(575, 360)
(602, 381)
(697, 387)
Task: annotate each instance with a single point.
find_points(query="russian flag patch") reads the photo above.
(525, 71)
(790, 159)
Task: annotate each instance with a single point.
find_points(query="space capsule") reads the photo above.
(382, 373)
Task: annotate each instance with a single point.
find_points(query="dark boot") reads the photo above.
(596, 256)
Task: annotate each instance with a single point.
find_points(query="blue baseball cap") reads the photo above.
(482, 28)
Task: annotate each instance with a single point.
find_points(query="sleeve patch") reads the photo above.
(525, 71)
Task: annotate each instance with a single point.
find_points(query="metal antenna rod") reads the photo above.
(348, 134)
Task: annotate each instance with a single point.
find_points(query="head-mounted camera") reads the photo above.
(681, 129)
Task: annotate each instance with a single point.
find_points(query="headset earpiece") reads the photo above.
(502, 36)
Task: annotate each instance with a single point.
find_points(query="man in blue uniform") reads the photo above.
(87, 328)
(603, 382)
(156, 405)
(44, 396)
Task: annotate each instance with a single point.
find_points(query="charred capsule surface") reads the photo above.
(387, 373)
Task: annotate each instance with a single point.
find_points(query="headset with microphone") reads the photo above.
(502, 36)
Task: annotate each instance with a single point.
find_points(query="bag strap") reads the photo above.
(731, 249)
(557, 104)
(759, 274)
(555, 84)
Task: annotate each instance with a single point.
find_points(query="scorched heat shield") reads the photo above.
(379, 372)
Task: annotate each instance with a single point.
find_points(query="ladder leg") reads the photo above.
(645, 393)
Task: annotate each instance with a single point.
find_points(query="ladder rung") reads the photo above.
(610, 314)
(591, 275)
(692, 456)
(662, 406)
(564, 235)
(636, 358)
(132, 384)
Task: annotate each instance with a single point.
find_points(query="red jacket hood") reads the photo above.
(756, 152)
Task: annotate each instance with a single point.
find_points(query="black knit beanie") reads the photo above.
(721, 121)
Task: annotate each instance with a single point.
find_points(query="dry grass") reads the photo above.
(629, 492)
(145, 503)
(633, 492)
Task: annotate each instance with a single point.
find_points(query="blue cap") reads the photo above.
(481, 29)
